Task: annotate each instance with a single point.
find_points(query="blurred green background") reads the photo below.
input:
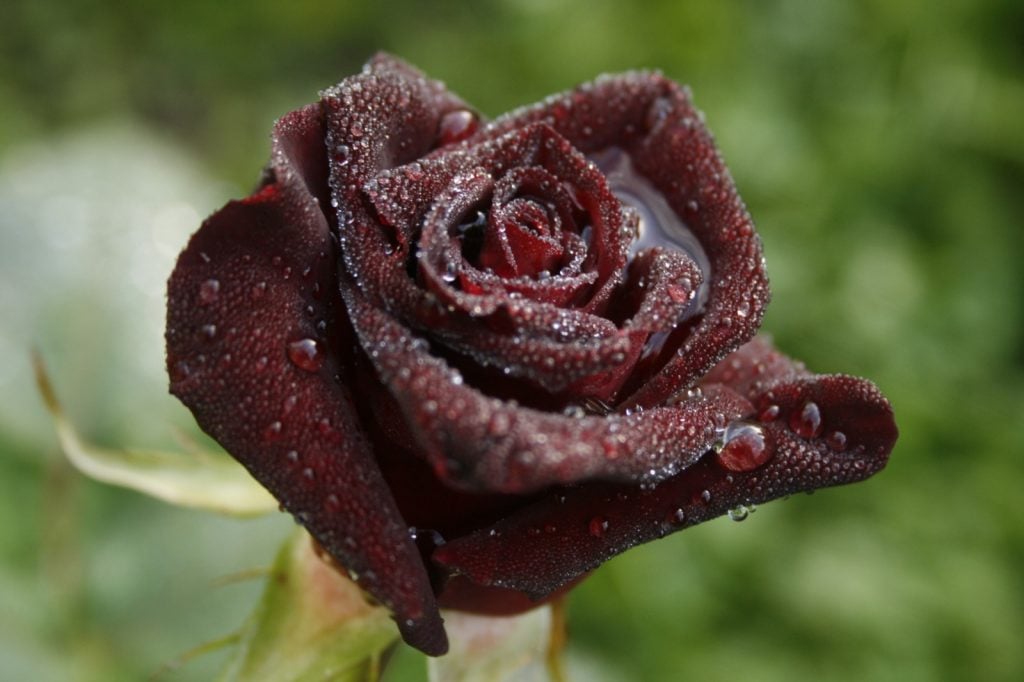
(879, 146)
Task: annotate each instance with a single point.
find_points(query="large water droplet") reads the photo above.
(739, 513)
(306, 355)
(744, 447)
(659, 224)
(806, 422)
(209, 291)
(456, 126)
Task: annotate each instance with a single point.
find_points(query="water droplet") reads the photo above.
(658, 112)
(332, 503)
(273, 431)
(807, 422)
(208, 331)
(739, 513)
(575, 411)
(305, 354)
(341, 153)
(836, 441)
(705, 496)
(258, 290)
(676, 516)
(597, 526)
(261, 363)
(308, 473)
(324, 427)
(456, 126)
(744, 447)
(743, 309)
(181, 371)
(659, 224)
(209, 291)
(769, 414)
(292, 455)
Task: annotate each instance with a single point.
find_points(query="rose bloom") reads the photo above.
(476, 360)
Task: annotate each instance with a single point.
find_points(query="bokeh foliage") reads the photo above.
(880, 149)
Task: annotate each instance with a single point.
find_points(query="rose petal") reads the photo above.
(246, 355)
(552, 542)
(482, 443)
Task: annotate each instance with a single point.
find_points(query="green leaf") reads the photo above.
(312, 624)
(204, 480)
(489, 649)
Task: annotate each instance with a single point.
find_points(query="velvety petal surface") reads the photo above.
(256, 338)
(574, 529)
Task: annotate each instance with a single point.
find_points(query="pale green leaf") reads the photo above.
(210, 481)
(312, 624)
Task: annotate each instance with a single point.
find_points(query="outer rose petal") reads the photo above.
(246, 355)
(554, 541)
(489, 445)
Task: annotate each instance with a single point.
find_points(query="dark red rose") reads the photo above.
(476, 360)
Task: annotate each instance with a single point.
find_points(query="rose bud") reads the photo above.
(476, 360)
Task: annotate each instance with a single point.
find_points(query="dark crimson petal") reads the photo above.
(554, 541)
(653, 120)
(481, 443)
(246, 356)
(384, 117)
(754, 367)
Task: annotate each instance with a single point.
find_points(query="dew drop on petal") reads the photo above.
(806, 423)
(209, 291)
(456, 126)
(744, 447)
(739, 513)
(836, 441)
(597, 526)
(272, 432)
(676, 516)
(305, 354)
(341, 153)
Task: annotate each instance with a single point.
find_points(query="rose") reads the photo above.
(477, 360)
